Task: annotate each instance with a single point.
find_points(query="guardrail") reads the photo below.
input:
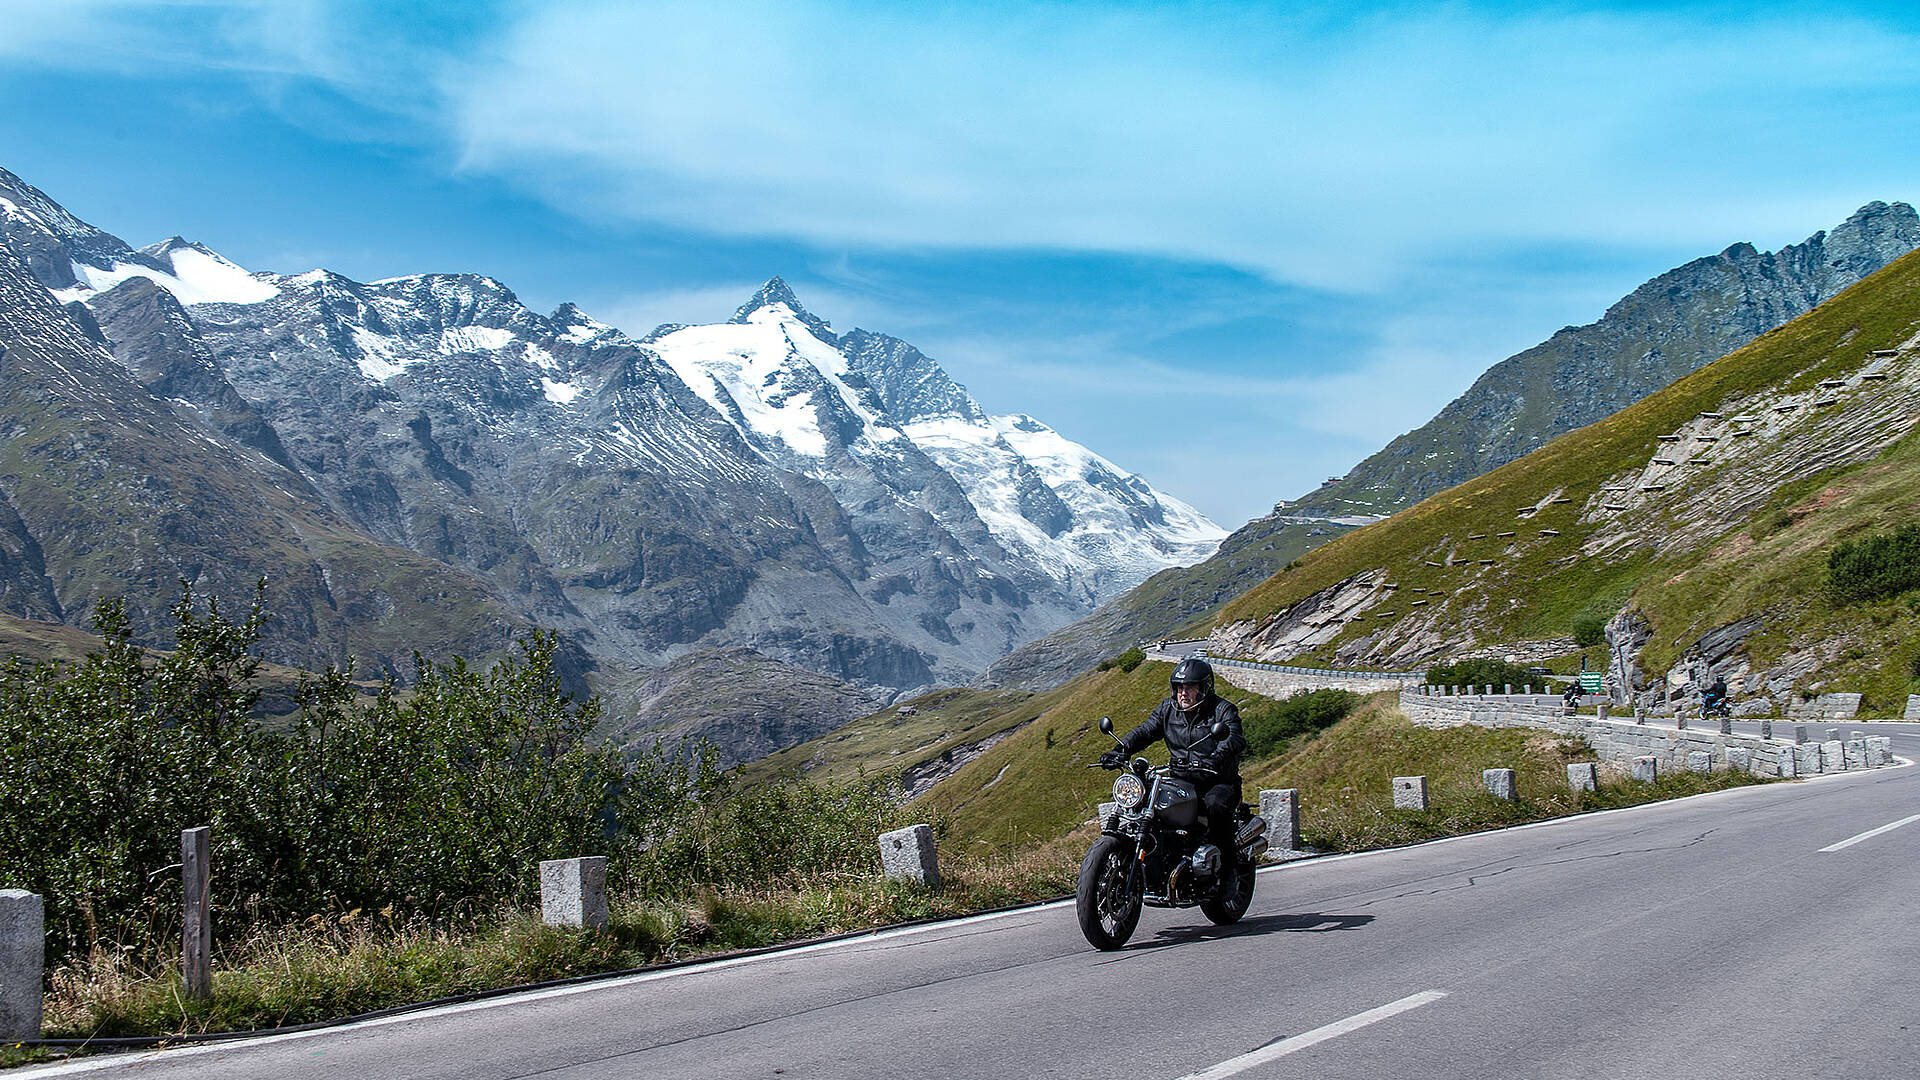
(1323, 672)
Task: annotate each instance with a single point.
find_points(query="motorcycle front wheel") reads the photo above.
(1232, 900)
(1108, 909)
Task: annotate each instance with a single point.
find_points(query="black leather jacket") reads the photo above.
(1189, 737)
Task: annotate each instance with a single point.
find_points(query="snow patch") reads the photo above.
(198, 277)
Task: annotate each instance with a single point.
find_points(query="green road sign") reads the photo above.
(1590, 681)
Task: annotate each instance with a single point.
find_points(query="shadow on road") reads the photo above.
(1297, 923)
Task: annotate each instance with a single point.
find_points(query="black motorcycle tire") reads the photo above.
(1233, 898)
(1106, 918)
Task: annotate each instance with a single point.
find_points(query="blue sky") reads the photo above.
(1233, 247)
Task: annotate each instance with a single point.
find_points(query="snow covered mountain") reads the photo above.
(829, 501)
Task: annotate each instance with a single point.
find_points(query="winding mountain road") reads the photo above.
(1759, 932)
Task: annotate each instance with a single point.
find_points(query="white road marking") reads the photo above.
(1274, 1051)
(1869, 834)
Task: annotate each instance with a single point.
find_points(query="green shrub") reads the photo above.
(1589, 630)
(1268, 725)
(1874, 566)
(437, 802)
(1126, 661)
(1479, 672)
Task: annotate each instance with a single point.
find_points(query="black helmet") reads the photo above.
(1193, 670)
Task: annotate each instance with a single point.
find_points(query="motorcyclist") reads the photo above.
(1185, 721)
(1715, 694)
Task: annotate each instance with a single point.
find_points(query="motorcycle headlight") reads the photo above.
(1129, 792)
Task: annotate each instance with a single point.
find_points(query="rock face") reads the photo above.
(1666, 328)
(833, 503)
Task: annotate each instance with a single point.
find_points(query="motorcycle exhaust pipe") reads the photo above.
(1250, 832)
(1253, 851)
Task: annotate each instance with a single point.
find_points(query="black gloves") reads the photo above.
(1114, 759)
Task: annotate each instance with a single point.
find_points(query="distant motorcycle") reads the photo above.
(1716, 706)
(1153, 850)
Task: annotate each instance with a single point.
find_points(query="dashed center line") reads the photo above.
(1278, 1049)
(1869, 834)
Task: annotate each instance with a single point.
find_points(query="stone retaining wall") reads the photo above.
(1623, 741)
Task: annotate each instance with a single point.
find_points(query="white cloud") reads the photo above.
(1236, 136)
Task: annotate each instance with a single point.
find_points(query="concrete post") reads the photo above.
(1409, 793)
(1855, 751)
(1799, 734)
(1646, 769)
(1489, 690)
(907, 855)
(1726, 725)
(1500, 783)
(1680, 721)
(1699, 761)
(1600, 711)
(1766, 729)
(196, 931)
(573, 892)
(1833, 756)
(1281, 809)
(1639, 715)
(1913, 708)
(1583, 776)
(1509, 689)
(1527, 690)
(1833, 735)
(23, 949)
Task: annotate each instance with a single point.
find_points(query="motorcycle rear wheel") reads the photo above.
(1233, 898)
(1108, 910)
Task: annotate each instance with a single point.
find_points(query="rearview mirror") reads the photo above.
(1106, 724)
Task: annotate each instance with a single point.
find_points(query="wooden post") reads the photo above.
(196, 933)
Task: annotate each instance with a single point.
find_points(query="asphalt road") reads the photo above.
(1708, 937)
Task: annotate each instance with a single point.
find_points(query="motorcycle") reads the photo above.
(1153, 851)
(1716, 706)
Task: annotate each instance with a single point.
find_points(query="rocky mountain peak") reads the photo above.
(776, 293)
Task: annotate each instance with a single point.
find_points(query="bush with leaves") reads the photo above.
(1874, 566)
(1483, 671)
(1268, 725)
(438, 800)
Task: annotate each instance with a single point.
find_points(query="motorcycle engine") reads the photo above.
(1205, 861)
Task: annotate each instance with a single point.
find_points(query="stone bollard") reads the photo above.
(1808, 759)
(1833, 735)
(1740, 759)
(573, 892)
(23, 948)
(1489, 690)
(1409, 793)
(1600, 711)
(1833, 756)
(1679, 721)
(1799, 734)
(1499, 782)
(1527, 690)
(196, 927)
(1855, 751)
(1879, 750)
(1646, 769)
(1856, 733)
(1509, 689)
(1766, 729)
(1639, 715)
(1281, 809)
(907, 855)
(1726, 725)
(1699, 761)
(1583, 776)
(1913, 707)
(1786, 762)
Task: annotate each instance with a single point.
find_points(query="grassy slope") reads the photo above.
(1538, 585)
(883, 744)
(1162, 604)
